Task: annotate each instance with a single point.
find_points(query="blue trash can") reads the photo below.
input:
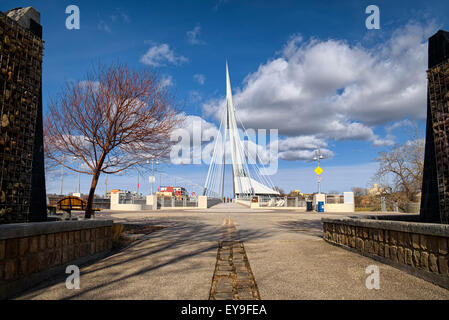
(320, 206)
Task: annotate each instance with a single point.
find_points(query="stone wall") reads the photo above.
(421, 248)
(31, 252)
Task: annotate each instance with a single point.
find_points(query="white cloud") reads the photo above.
(192, 36)
(166, 81)
(103, 26)
(158, 55)
(195, 97)
(200, 78)
(333, 90)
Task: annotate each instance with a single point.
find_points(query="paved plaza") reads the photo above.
(284, 250)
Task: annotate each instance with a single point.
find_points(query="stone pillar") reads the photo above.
(202, 202)
(151, 202)
(23, 195)
(434, 205)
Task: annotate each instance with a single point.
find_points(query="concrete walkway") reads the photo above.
(287, 256)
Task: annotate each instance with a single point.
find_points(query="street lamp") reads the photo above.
(79, 165)
(318, 156)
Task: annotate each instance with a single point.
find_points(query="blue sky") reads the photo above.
(308, 68)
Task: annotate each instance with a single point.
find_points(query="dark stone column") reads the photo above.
(430, 200)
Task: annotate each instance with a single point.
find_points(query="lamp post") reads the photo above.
(318, 156)
(79, 165)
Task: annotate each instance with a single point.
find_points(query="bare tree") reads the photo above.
(401, 169)
(358, 194)
(116, 119)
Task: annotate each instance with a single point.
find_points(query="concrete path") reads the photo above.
(287, 256)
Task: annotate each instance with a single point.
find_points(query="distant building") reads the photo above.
(169, 191)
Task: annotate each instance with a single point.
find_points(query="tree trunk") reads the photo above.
(89, 212)
(90, 200)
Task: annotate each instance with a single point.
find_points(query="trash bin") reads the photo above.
(320, 206)
(309, 206)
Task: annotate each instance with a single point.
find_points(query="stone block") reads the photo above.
(50, 240)
(401, 239)
(33, 264)
(22, 266)
(77, 251)
(381, 251)
(65, 255)
(433, 263)
(381, 235)
(393, 237)
(58, 256)
(408, 256)
(71, 235)
(77, 236)
(42, 242)
(401, 255)
(65, 239)
(376, 235)
(58, 240)
(92, 247)
(424, 261)
(368, 246)
(360, 244)
(394, 253)
(10, 269)
(416, 258)
(34, 244)
(2, 249)
(223, 285)
(443, 265)
(415, 241)
(423, 242)
(12, 248)
(93, 234)
(23, 246)
(433, 243)
(365, 233)
(41, 263)
(442, 245)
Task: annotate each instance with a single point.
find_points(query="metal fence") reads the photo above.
(335, 199)
(294, 202)
(173, 202)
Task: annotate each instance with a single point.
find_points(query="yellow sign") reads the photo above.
(318, 170)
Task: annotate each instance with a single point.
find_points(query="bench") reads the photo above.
(69, 203)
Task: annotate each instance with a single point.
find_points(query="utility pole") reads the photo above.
(138, 182)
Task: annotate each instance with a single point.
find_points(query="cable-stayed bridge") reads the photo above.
(247, 177)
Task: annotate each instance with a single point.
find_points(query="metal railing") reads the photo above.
(173, 202)
(294, 202)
